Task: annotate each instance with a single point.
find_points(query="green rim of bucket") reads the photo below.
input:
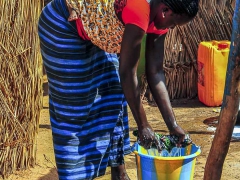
(170, 158)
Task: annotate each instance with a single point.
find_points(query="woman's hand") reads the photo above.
(72, 14)
(178, 131)
(147, 137)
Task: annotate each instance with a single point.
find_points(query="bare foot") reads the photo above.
(124, 176)
(119, 173)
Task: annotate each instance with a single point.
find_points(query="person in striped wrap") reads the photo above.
(90, 51)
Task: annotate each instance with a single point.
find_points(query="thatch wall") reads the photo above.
(20, 84)
(213, 22)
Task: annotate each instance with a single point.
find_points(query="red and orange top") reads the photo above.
(98, 20)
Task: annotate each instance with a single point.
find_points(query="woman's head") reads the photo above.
(183, 7)
(169, 13)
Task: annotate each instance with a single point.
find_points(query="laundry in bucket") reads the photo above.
(168, 142)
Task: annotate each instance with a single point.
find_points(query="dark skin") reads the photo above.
(129, 56)
(163, 18)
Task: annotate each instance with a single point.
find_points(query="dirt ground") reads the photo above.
(191, 115)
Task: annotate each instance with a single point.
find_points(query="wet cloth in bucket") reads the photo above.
(168, 142)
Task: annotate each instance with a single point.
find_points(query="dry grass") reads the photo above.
(20, 84)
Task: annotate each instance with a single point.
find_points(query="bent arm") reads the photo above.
(129, 56)
(156, 78)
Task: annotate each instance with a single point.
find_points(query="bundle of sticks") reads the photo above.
(20, 84)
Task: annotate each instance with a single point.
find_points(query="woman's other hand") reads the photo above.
(148, 138)
(178, 131)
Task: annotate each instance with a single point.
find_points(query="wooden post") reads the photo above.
(229, 109)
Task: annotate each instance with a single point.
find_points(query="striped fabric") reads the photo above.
(88, 111)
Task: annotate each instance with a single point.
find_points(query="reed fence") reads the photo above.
(213, 22)
(20, 84)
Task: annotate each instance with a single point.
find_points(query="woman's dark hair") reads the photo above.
(188, 7)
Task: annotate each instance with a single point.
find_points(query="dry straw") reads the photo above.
(213, 22)
(20, 84)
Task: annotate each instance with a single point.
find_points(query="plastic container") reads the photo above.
(152, 167)
(212, 67)
(141, 64)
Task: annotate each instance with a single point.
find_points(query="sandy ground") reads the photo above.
(191, 115)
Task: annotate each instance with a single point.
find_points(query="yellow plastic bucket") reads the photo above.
(151, 167)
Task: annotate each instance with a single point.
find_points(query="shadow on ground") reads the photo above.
(52, 175)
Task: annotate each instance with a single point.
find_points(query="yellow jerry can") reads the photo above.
(212, 67)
